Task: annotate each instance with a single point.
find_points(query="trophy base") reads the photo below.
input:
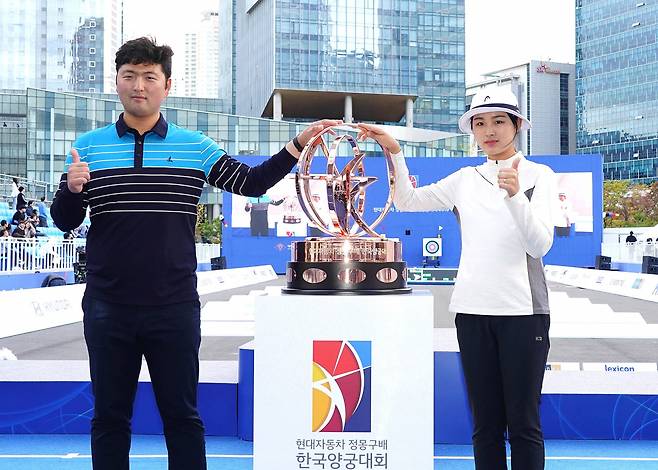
(346, 278)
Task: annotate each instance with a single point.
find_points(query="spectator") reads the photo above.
(43, 212)
(20, 231)
(33, 218)
(30, 208)
(21, 201)
(4, 232)
(14, 192)
(4, 225)
(631, 238)
(82, 231)
(19, 215)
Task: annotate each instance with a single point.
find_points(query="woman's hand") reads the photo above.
(508, 178)
(379, 135)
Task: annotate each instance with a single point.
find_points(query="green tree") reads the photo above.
(615, 202)
(207, 231)
(630, 205)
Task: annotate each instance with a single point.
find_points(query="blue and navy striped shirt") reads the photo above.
(142, 197)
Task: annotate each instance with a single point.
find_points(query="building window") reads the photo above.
(92, 37)
(92, 50)
(92, 90)
(92, 63)
(92, 77)
(92, 23)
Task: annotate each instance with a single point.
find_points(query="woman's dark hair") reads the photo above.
(515, 121)
(145, 51)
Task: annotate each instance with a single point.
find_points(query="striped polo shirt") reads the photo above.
(142, 198)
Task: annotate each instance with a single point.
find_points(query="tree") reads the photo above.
(615, 202)
(630, 205)
(207, 231)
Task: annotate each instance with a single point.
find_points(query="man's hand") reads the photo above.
(316, 127)
(379, 135)
(508, 178)
(78, 173)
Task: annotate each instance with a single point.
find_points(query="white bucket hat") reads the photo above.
(488, 100)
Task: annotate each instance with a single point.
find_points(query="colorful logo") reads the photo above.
(341, 386)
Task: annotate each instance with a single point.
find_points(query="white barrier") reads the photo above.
(636, 285)
(37, 309)
(24, 255)
(629, 252)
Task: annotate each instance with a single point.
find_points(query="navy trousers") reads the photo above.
(504, 358)
(168, 337)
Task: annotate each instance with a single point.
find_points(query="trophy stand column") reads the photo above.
(344, 380)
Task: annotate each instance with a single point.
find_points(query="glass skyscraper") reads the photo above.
(379, 60)
(617, 86)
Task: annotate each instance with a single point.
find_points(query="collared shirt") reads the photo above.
(142, 197)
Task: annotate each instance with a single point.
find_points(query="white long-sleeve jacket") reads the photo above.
(503, 238)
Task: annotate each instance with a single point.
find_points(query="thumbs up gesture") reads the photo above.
(508, 178)
(78, 173)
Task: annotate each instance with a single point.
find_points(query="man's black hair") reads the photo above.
(145, 51)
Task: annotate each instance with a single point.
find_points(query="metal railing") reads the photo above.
(629, 252)
(20, 255)
(33, 189)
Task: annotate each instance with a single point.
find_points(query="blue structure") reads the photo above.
(64, 407)
(616, 86)
(577, 249)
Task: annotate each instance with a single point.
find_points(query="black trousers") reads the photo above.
(504, 358)
(168, 337)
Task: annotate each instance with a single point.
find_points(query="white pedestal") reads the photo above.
(317, 357)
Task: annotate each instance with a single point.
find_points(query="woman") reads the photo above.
(500, 296)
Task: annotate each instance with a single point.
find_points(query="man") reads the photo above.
(631, 238)
(257, 207)
(19, 215)
(21, 230)
(565, 217)
(43, 212)
(21, 201)
(142, 177)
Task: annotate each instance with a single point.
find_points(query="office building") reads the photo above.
(617, 86)
(393, 61)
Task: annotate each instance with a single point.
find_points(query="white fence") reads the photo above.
(46, 254)
(629, 252)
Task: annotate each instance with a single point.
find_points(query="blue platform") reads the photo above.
(61, 407)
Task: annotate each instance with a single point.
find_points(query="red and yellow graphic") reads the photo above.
(341, 386)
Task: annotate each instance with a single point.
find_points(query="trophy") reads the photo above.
(352, 258)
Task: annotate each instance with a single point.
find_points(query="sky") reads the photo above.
(504, 33)
(499, 33)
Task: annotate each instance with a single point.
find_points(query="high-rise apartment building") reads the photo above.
(617, 86)
(66, 45)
